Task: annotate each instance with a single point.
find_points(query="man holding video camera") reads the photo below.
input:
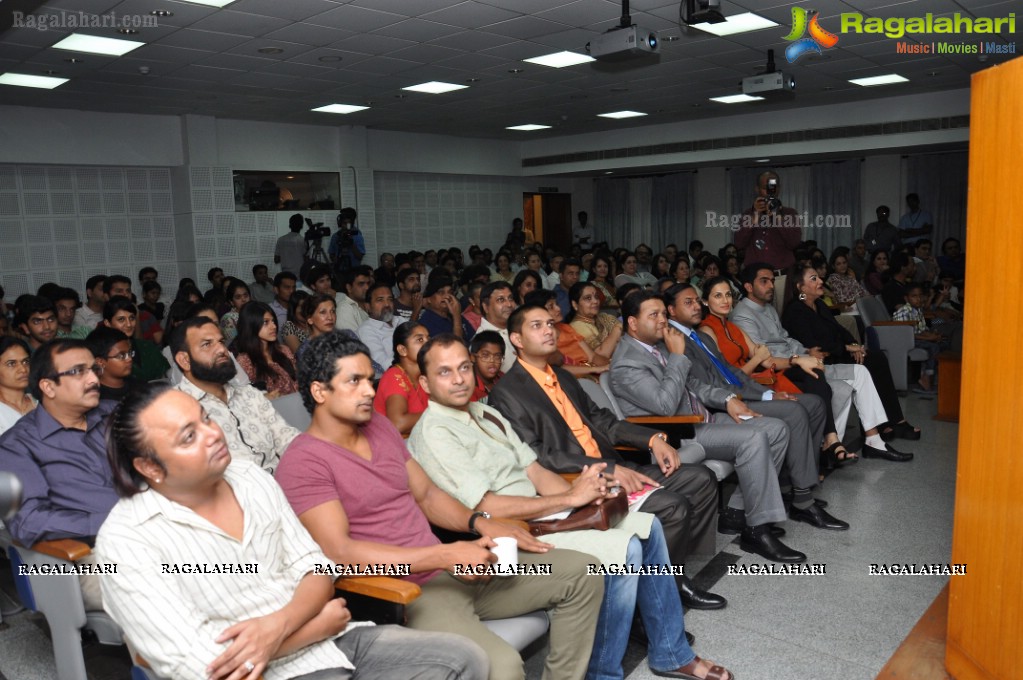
(769, 232)
(347, 245)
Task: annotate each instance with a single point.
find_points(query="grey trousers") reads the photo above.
(571, 597)
(805, 421)
(757, 449)
(388, 652)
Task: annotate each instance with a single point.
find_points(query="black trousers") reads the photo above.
(687, 508)
(881, 373)
(818, 386)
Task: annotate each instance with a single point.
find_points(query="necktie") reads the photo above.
(658, 355)
(722, 369)
(695, 404)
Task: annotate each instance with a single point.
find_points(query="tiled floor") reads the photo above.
(840, 626)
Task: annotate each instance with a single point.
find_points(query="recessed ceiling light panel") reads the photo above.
(740, 23)
(211, 3)
(435, 87)
(736, 99)
(529, 127)
(25, 80)
(621, 114)
(115, 47)
(879, 80)
(340, 108)
(560, 59)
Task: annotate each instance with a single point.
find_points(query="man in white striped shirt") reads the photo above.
(216, 578)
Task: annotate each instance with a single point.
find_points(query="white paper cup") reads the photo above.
(507, 551)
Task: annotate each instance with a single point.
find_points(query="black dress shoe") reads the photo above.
(906, 431)
(888, 453)
(761, 541)
(732, 521)
(820, 503)
(818, 517)
(694, 598)
(690, 638)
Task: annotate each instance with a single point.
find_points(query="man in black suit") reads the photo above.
(803, 414)
(551, 413)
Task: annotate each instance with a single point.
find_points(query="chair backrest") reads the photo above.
(780, 292)
(872, 310)
(293, 411)
(602, 395)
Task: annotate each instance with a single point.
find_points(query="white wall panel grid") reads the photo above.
(66, 223)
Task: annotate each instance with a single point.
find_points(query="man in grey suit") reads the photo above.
(650, 374)
(803, 414)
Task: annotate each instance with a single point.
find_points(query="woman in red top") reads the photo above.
(737, 350)
(399, 395)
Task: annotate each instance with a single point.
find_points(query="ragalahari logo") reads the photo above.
(804, 21)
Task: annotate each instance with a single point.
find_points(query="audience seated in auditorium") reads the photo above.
(549, 410)
(113, 352)
(398, 396)
(497, 300)
(65, 304)
(600, 276)
(238, 295)
(148, 363)
(441, 311)
(486, 351)
(200, 309)
(568, 276)
(502, 269)
(58, 453)
(842, 280)
(351, 300)
(261, 288)
(471, 452)
(903, 271)
(410, 295)
(269, 365)
(779, 373)
(354, 486)
(600, 330)
(15, 401)
(573, 353)
(283, 287)
(377, 332)
(175, 476)
(254, 430)
(320, 313)
(877, 272)
(295, 329)
(91, 313)
(952, 261)
(629, 272)
(36, 318)
(526, 281)
(151, 292)
(930, 341)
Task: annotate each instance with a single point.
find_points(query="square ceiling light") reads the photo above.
(435, 87)
(560, 59)
(621, 114)
(528, 127)
(879, 80)
(340, 108)
(736, 99)
(25, 80)
(740, 23)
(93, 44)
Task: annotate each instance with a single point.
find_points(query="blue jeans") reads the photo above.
(659, 605)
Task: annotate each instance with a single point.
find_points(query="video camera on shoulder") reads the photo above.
(346, 223)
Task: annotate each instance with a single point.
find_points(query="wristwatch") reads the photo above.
(731, 396)
(660, 435)
(472, 521)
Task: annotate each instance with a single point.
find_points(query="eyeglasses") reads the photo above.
(123, 356)
(488, 357)
(79, 370)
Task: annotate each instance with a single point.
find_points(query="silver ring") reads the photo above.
(249, 666)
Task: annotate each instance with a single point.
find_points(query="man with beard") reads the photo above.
(254, 430)
(36, 317)
(58, 451)
(410, 294)
(377, 331)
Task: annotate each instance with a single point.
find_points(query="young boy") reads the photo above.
(487, 352)
(925, 338)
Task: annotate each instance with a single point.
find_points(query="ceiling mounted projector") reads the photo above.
(771, 83)
(625, 42)
(701, 12)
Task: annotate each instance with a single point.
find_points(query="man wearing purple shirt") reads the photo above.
(58, 451)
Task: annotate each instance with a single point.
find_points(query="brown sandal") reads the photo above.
(685, 673)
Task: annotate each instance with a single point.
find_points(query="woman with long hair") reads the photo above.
(842, 281)
(399, 395)
(600, 330)
(660, 267)
(269, 364)
(526, 281)
(756, 361)
(809, 321)
(875, 278)
(237, 297)
(295, 330)
(15, 401)
(601, 275)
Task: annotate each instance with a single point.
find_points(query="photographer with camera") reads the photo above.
(289, 251)
(347, 245)
(769, 232)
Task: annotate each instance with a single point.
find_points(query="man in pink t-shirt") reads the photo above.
(355, 487)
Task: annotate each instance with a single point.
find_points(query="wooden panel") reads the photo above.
(986, 607)
(921, 655)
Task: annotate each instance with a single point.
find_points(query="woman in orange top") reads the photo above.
(399, 395)
(737, 350)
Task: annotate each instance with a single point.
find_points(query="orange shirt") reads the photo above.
(549, 382)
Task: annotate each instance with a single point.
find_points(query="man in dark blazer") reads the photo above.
(804, 414)
(565, 443)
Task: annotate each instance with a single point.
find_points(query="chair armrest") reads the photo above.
(663, 420)
(379, 587)
(893, 323)
(63, 549)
